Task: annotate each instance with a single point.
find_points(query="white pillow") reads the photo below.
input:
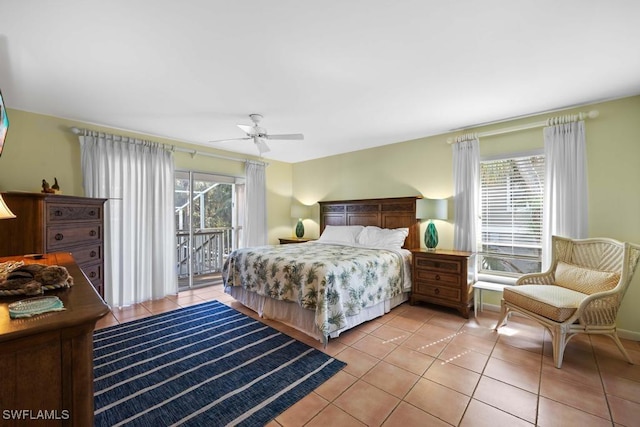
(377, 237)
(341, 233)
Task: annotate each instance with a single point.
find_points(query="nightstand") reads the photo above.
(288, 240)
(443, 277)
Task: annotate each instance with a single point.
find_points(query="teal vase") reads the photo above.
(431, 236)
(299, 229)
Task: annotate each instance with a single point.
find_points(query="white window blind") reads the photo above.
(511, 215)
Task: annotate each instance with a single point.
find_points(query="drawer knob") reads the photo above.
(92, 274)
(59, 236)
(92, 213)
(437, 291)
(93, 254)
(92, 233)
(58, 212)
(437, 277)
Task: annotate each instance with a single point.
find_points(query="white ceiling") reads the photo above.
(347, 74)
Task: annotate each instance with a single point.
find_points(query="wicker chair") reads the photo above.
(580, 293)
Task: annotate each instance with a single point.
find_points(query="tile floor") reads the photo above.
(427, 366)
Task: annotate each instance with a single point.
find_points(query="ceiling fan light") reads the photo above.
(262, 146)
(260, 135)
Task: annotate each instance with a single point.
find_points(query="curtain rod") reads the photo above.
(549, 122)
(193, 153)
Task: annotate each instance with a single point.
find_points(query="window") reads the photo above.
(511, 215)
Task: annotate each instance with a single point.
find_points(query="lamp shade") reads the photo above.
(299, 211)
(5, 212)
(431, 209)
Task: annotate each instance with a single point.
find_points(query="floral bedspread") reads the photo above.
(334, 280)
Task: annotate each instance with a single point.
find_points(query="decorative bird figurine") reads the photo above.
(55, 187)
(45, 187)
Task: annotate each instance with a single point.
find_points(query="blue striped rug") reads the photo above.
(205, 365)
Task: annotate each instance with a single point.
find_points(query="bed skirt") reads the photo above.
(302, 319)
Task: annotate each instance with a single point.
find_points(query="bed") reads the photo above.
(359, 268)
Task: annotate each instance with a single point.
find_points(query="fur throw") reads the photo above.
(33, 279)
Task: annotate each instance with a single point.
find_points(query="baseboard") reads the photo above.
(490, 307)
(622, 333)
(629, 335)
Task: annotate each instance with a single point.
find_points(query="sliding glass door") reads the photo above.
(207, 228)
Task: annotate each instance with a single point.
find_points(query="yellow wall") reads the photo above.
(424, 166)
(41, 146)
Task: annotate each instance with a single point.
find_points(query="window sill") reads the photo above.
(497, 279)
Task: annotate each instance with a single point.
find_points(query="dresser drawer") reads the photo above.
(441, 292)
(58, 212)
(60, 237)
(93, 273)
(437, 278)
(449, 266)
(87, 254)
(99, 288)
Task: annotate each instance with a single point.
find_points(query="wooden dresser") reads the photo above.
(47, 223)
(47, 359)
(443, 277)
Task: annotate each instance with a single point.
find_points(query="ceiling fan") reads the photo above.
(259, 134)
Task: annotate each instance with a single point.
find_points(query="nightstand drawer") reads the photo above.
(454, 267)
(442, 292)
(436, 278)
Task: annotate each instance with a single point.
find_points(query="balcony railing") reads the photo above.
(208, 250)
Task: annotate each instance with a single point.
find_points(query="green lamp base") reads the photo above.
(299, 229)
(431, 237)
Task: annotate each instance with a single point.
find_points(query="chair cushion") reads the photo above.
(584, 280)
(553, 302)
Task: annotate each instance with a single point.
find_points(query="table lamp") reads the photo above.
(5, 212)
(431, 209)
(299, 212)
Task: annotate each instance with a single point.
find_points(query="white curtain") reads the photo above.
(255, 219)
(138, 179)
(239, 220)
(565, 199)
(466, 182)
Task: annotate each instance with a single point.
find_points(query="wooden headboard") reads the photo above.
(396, 212)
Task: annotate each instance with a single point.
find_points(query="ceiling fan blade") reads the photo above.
(232, 139)
(247, 129)
(287, 136)
(262, 146)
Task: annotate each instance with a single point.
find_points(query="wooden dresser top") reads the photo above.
(83, 304)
